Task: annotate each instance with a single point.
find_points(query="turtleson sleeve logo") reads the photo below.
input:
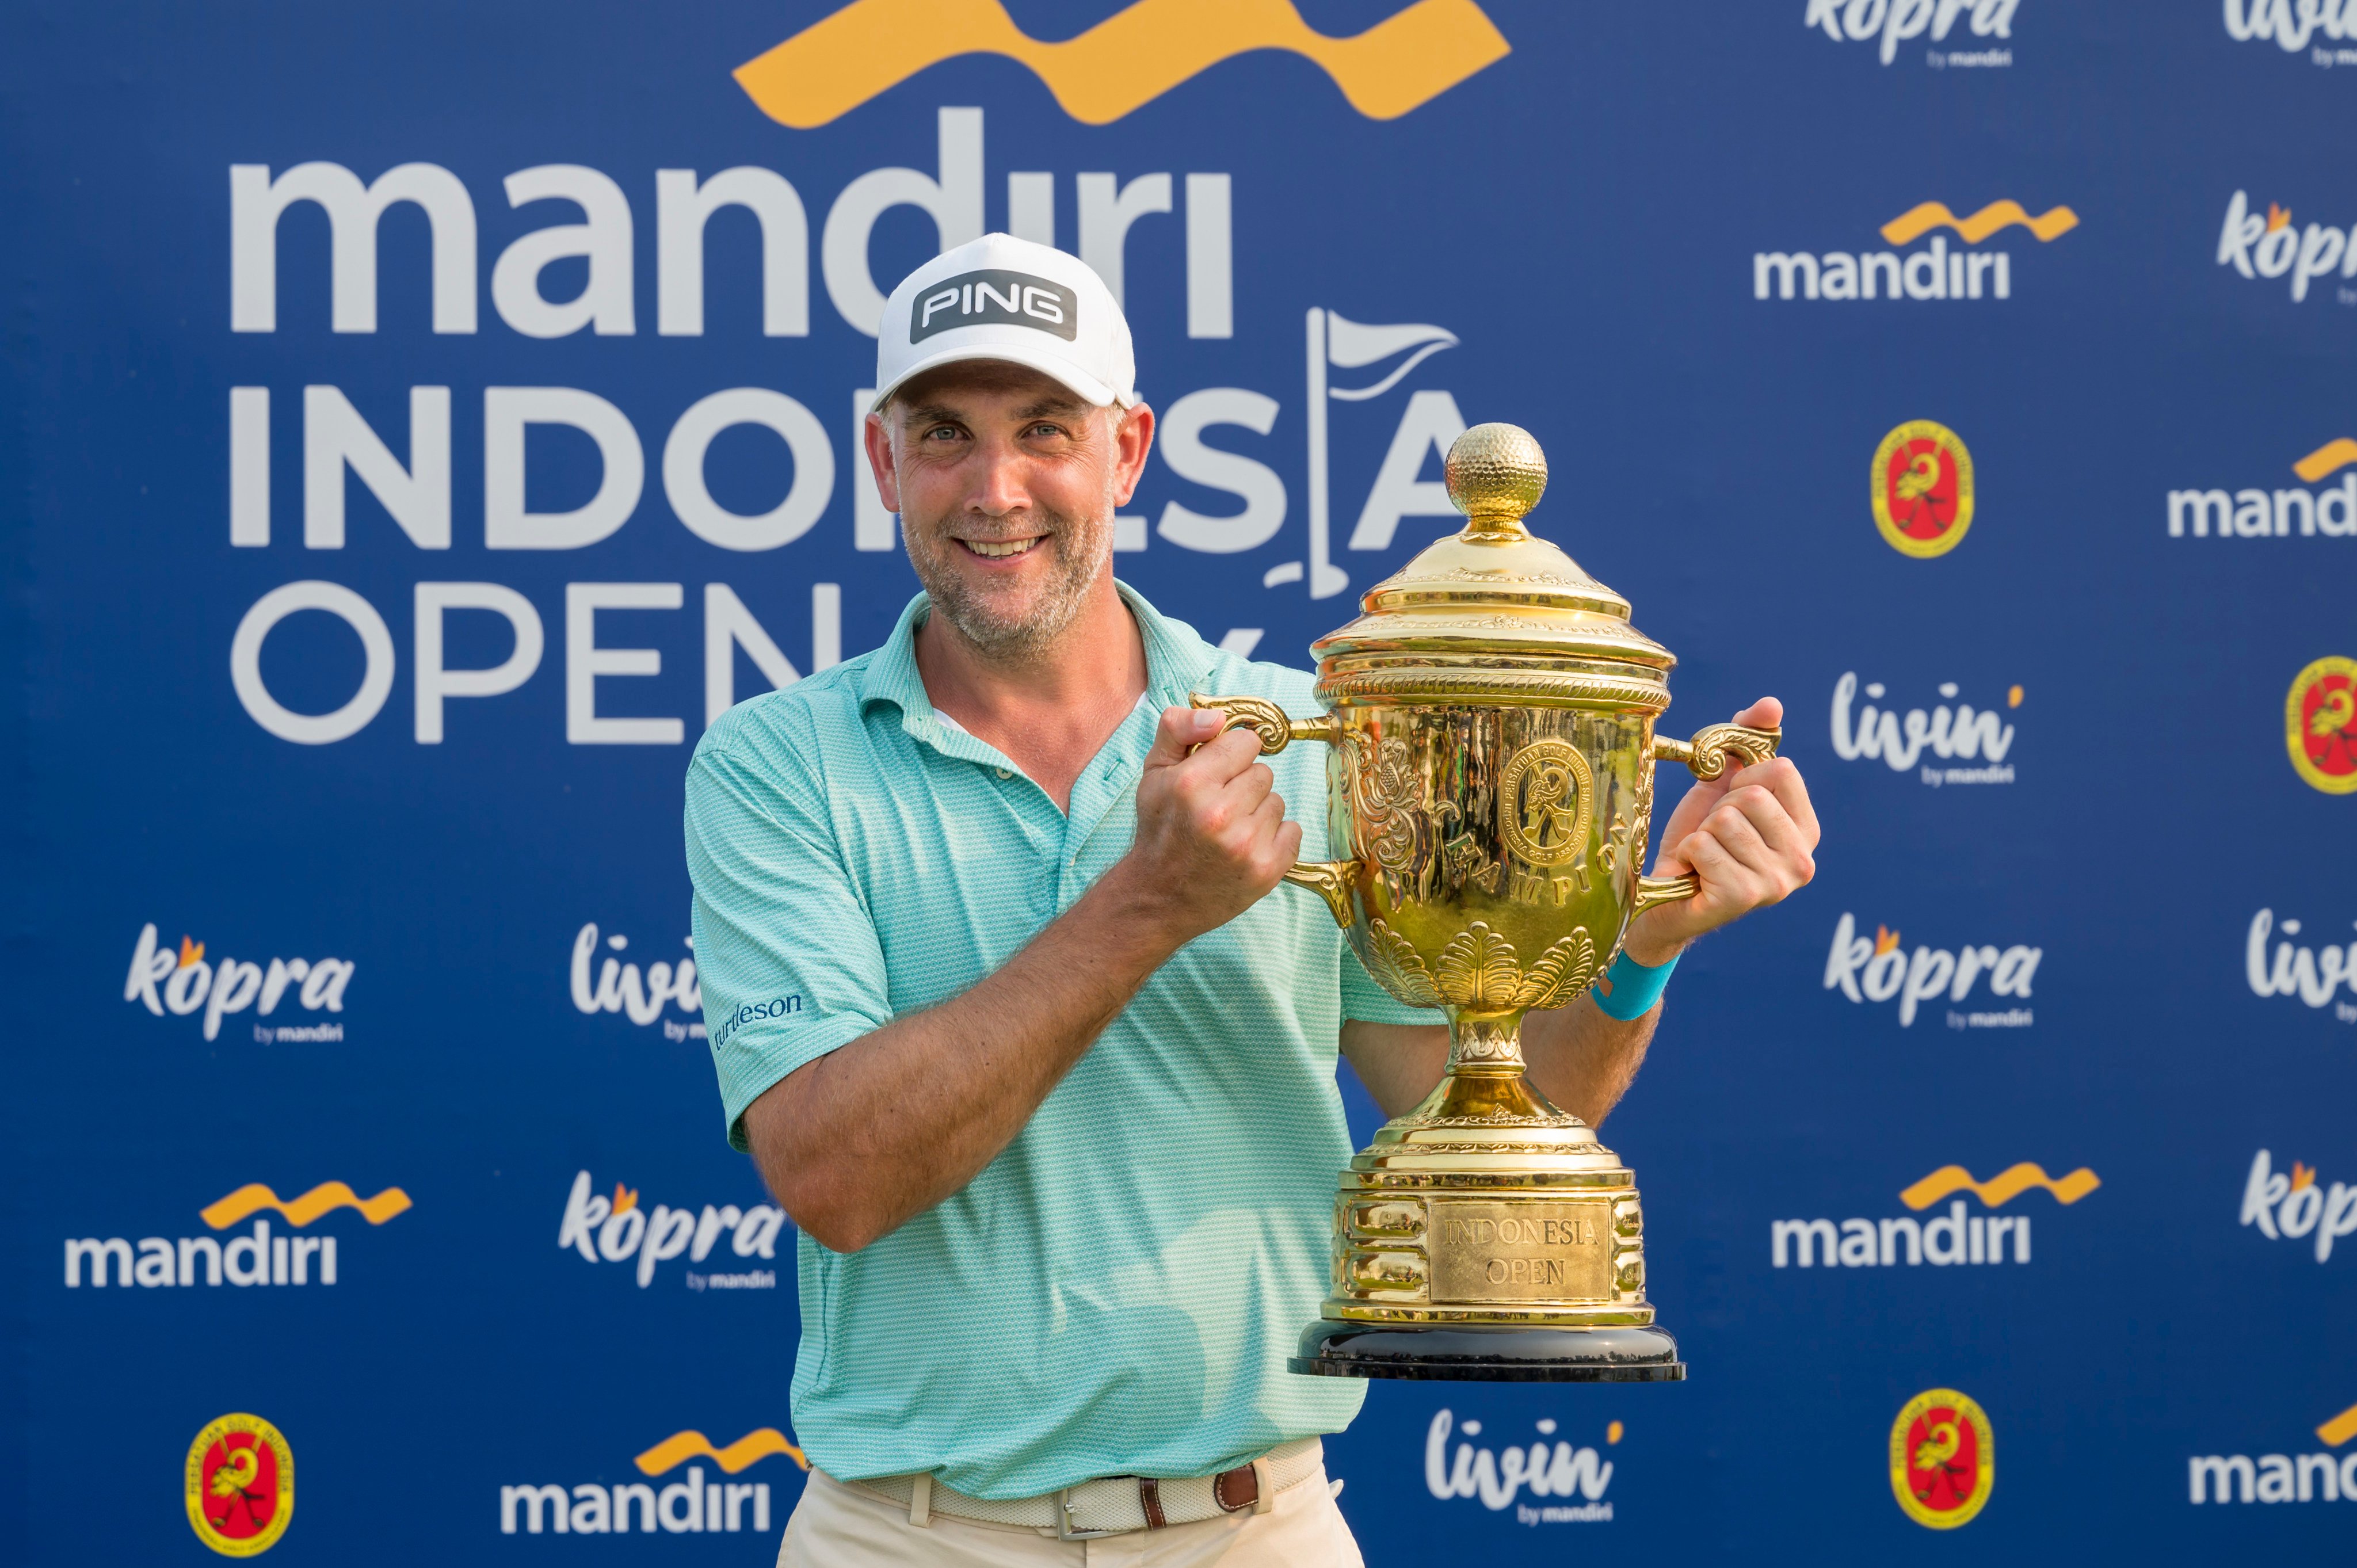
(1124, 63)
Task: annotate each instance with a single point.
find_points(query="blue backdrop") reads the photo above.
(294, 901)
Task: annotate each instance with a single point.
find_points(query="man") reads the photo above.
(1010, 1012)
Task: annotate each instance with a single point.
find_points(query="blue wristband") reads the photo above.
(1635, 988)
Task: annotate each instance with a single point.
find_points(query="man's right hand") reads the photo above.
(1211, 834)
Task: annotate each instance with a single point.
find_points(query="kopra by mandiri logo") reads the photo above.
(1943, 1458)
(1921, 488)
(1894, 22)
(181, 981)
(239, 1485)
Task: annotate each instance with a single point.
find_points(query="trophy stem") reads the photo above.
(1485, 1045)
(1484, 1081)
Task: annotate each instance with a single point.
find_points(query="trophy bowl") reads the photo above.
(1490, 791)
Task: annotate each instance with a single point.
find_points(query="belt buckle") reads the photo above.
(1064, 1531)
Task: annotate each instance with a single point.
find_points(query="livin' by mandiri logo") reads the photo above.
(182, 981)
(1123, 63)
(256, 1258)
(2293, 24)
(2312, 975)
(619, 986)
(688, 1506)
(1549, 1465)
(2267, 245)
(2290, 1205)
(1877, 969)
(1934, 272)
(2280, 1477)
(2266, 513)
(1954, 1236)
(616, 1230)
(1896, 22)
(1976, 738)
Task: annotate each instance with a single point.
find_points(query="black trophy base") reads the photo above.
(1458, 1352)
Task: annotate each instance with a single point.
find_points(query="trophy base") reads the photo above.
(1458, 1352)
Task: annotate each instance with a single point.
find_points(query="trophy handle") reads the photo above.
(1330, 879)
(1707, 755)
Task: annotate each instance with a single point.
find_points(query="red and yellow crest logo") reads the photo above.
(1922, 483)
(2320, 724)
(241, 1486)
(1943, 1458)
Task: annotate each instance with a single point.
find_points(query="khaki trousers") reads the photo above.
(835, 1526)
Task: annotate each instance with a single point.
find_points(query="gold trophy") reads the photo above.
(1488, 795)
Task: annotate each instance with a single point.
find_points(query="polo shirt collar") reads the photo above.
(1176, 660)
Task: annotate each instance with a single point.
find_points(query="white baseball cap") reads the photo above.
(999, 297)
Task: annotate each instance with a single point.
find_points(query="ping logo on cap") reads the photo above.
(994, 298)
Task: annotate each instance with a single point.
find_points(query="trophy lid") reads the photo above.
(1493, 613)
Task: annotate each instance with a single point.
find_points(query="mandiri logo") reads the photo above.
(2264, 514)
(2291, 1206)
(1954, 1236)
(1877, 969)
(182, 981)
(2279, 1478)
(258, 1258)
(1934, 272)
(1123, 63)
(688, 1506)
(1894, 22)
(616, 1230)
(1961, 734)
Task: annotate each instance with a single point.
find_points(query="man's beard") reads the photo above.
(1082, 548)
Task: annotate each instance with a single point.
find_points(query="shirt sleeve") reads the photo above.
(1370, 1003)
(786, 951)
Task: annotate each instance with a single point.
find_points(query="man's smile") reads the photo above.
(1000, 549)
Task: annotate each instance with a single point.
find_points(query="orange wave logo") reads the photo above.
(1125, 61)
(2330, 457)
(1999, 1189)
(747, 1451)
(254, 1197)
(1918, 222)
(2340, 1428)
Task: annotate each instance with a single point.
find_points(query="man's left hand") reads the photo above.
(1749, 836)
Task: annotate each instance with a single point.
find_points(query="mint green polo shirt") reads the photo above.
(1116, 1293)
